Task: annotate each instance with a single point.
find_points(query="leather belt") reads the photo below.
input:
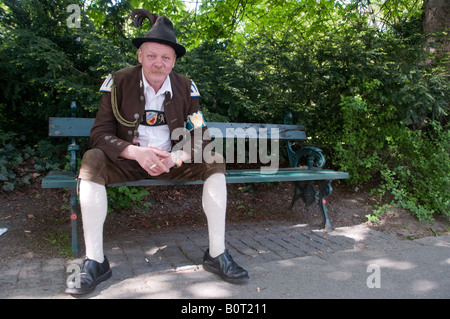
(154, 118)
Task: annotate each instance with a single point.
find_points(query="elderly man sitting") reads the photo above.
(133, 138)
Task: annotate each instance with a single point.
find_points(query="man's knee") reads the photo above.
(94, 155)
(92, 165)
(214, 158)
(215, 163)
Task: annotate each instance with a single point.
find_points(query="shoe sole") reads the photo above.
(213, 270)
(78, 291)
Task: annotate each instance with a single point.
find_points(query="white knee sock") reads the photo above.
(214, 202)
(94, 207)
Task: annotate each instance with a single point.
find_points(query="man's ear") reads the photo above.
(140, 56)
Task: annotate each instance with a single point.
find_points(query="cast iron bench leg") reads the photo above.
(306, 192)
(325, 190)
(309, 194)
(73, 219)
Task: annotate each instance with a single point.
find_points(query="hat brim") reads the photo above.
(179, 49)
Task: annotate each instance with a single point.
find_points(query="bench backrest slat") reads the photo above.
(81, 127)
(69, 126)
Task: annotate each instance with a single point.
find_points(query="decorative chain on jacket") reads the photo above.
(116, 112)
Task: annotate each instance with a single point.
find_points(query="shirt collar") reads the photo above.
(166, 87)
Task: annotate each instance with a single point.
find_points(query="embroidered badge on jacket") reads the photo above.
(195, 120)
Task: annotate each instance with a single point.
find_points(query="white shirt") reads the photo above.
(158, 135)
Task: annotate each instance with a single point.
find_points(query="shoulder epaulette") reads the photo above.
(106, 86)
(194, 90)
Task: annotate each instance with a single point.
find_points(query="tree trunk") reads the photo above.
(436, 18)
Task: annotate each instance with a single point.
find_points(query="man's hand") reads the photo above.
(153, 159)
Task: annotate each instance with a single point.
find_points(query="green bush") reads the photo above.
(421, 181)
(127, 197)
(21, 164)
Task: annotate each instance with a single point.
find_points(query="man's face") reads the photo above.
(157, 62)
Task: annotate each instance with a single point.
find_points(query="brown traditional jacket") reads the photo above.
(112, 137)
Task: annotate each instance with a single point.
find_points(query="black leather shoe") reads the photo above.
(91, 274)
(224, 266)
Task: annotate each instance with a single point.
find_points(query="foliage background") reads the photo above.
(371, 88)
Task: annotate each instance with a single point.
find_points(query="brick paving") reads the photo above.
(139, 253)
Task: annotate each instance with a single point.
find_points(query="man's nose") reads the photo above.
(158, 62)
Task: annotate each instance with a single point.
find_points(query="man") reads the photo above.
(131, 140)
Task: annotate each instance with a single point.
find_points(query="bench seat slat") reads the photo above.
(61, 179)
(283, 174)
(68, 180)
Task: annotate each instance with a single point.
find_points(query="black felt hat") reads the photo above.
(161, 31)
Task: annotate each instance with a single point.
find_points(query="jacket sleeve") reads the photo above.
(104, 133)
(197, 135)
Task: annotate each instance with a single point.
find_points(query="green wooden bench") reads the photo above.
(311, 183)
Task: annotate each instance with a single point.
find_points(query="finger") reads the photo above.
(159, 167)
(159, 151)
(162, 167)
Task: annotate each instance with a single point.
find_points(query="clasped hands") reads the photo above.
(153, 159)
